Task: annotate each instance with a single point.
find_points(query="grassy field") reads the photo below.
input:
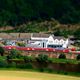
(27, 75)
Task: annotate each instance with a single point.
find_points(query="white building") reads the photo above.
(10, 43)
(48, 41)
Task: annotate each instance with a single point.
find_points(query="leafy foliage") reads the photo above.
(78, 57)
(77, 33)
(62, 56)
(14, 54)
(28, 58)
(1, 51)
(42, 58)
(21, 44)
(15, 12)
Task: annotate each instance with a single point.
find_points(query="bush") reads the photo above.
(11, 65)
(50, 70)
(42, 58)
(41, 70)
(78, 57)
(21, 66)
(3, 64)
(1, 51)
(28, 58)
(29, 66)
(21, 44)
(14, 54)
(62, 56)
(62, 72)
(25, 66)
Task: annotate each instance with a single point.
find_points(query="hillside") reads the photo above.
(61, 17)
(51, 26)
(18, 12)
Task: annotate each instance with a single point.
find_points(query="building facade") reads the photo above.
(50, 41)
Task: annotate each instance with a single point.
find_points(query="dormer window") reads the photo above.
(56, 40)
(62, 41)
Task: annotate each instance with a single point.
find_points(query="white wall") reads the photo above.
(52, 41)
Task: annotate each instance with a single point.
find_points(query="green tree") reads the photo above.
(14, 54)
(78, 57)
(2, 51)
(77, 33)
(16, 12)
(42, 58)
(62, 56)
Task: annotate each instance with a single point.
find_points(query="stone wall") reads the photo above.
(51, 54)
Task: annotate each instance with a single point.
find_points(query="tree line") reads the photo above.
(16, 12)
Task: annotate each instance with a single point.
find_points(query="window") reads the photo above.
(56, 41)
(54, 46)
(62, 41)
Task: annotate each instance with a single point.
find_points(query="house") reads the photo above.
(11, 43)
(48, 41)
(38, 40)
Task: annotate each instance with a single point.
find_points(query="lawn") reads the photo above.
(27, 75)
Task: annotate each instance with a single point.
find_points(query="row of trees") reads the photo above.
(14, 12)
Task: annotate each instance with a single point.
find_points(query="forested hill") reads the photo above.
(16, 12)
